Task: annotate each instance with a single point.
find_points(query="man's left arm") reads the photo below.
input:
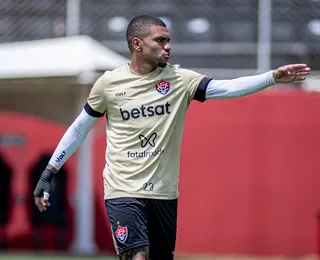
(223, 89)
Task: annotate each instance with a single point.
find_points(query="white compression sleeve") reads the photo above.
(222, 89)
(72, 139)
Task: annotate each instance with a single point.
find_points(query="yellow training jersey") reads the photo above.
(145, 120)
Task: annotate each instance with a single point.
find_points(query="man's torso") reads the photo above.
(145, 120)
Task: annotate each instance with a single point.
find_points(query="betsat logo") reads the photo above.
(145, 111)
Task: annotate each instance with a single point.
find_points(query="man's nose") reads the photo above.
(167, 47)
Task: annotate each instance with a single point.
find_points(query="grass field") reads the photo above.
(4, 256)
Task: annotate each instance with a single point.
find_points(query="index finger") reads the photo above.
(38, 202)
(298, 66)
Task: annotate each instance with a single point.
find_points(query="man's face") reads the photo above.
(155, 47)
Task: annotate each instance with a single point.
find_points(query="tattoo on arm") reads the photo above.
(140, 253)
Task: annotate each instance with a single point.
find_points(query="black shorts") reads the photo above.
(138, 222)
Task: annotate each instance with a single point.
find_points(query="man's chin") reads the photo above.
(162, 64)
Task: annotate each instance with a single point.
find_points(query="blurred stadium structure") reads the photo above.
(205, 33)
(221, 38)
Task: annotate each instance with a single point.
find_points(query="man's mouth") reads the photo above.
(167, 56)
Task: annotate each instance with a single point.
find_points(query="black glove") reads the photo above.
(43, 189)
(44, 184)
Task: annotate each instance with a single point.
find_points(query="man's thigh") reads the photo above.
(128, 218)
(138, 253)
(163, 229)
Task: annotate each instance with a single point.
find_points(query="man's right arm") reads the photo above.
(73, 137)
(69, 143)
(95, 108)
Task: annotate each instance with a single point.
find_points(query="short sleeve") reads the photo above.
(195, 83)
(96, 99)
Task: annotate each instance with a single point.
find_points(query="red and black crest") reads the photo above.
(163, 87)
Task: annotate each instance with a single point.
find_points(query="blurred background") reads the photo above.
(249, 183)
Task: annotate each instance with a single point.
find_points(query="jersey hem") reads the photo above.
(120, 194)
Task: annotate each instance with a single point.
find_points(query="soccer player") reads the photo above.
(146, 103)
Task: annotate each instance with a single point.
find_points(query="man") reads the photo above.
(146, 103)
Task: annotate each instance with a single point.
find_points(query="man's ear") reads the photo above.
(137, 44)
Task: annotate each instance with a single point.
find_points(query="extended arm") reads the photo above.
(222, 89)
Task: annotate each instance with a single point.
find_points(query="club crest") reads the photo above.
(122, 234)
(163, 87)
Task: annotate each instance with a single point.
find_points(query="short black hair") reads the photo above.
(140, 27)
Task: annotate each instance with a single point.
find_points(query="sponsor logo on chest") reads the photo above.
(145, 111)
(162, 87)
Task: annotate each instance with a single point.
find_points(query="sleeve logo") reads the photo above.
(163, 87)
(60, 157)
(121, 234)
